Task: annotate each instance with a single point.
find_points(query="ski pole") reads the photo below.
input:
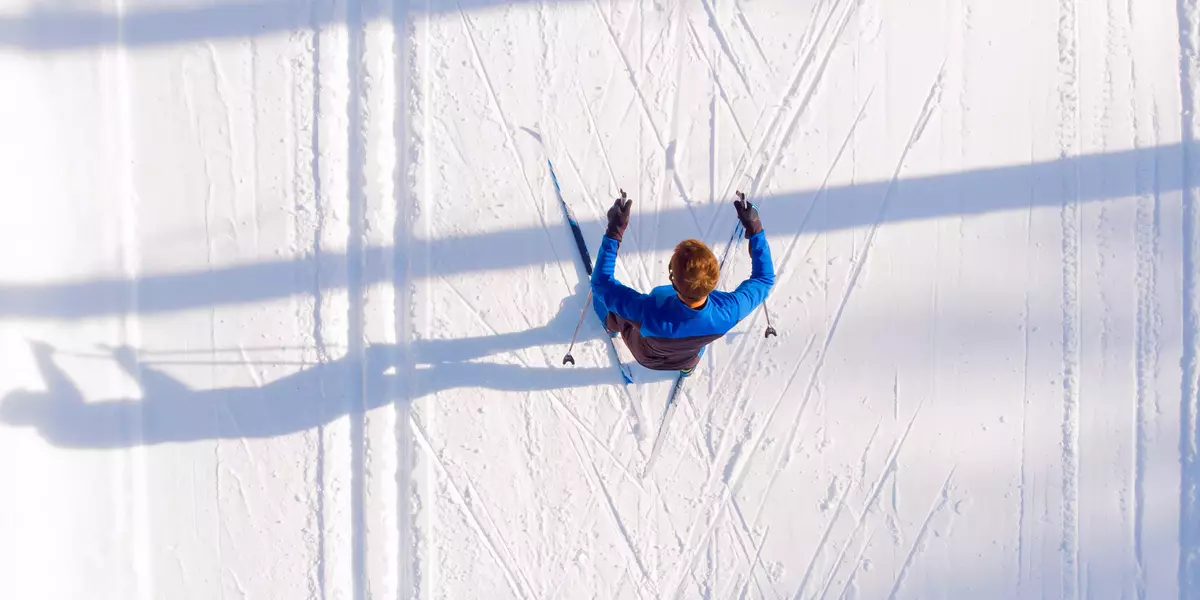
(770, 330)
(586, 304)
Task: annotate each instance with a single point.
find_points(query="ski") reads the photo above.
(668, 412)
(672, 397)
(586, 257)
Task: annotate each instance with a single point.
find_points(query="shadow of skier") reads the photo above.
(171, 411)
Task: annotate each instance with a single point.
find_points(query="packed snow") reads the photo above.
(285, 291)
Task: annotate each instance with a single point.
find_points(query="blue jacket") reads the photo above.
(661, 331)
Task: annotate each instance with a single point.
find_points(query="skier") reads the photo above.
(669, 328)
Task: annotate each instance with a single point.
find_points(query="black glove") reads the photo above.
(618, 217)
(748, 214)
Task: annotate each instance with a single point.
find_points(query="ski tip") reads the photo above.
(537, 136)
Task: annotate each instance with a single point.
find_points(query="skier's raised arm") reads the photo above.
(612, 294)
(753, 291)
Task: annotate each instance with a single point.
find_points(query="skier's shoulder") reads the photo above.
(723, 307)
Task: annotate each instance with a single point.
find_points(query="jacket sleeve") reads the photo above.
(619, 298)
(753, 291)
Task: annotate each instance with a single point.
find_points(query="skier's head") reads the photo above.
(694, 271)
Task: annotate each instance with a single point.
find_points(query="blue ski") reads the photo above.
(586, 257)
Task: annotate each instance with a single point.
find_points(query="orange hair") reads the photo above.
(694, 270)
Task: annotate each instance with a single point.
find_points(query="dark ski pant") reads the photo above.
(630, 331)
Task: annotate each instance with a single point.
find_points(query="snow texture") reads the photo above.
(285, 290)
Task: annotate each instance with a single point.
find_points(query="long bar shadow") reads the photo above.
(73, 29)
(171, 411)
(1122, 174)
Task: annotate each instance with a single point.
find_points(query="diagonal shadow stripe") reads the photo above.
(63, 30)
(1128, 173)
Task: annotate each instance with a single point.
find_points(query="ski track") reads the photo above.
(644, 106)
(516, 581)
(725, 46)
(833, 519)
(698, 48)
(510, 142)
(602, 210)
(731, 484)
(1188, 15)
(558, 402)
(918, 129)
(670, 153)
(743, 163)
(637, 89)
(741, 15)
(1068, 118)
(630, 546)
(753, 569)
(801, 109)
(939, 502)
(857, 563)
(787, 254)
(590, 466)
(1146, 336)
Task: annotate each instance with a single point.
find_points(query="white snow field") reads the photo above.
(285, 290)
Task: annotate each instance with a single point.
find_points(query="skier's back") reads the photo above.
(669, 328)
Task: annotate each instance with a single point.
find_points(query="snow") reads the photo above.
(286, 288)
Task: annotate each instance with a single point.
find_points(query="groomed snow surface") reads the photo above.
(286, 288)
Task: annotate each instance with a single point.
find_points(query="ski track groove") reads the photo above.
(918, 129)
(812, 562)
(595, 129)
(745, 535)
(740, 393)
(1068, 100)
(621, 529)
(726, 48)
(699, 514)
(517, 353)
(1146, 338)
(857, 563)
(737, 7)
(574, 545)
(939, 502)
(590, 435)
(696, 47)
(575, 420)
(590, 465)
(1025, 326)
(837, 563)
(787, 254)
(876, 488)
(459, 501)
(742, 466)
(601, 210)
(1188, 16)
(743, 162)
(644, 105)
(801, 109)
(510, 142)
(503, 545)
(754, 569)
(671, 152)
